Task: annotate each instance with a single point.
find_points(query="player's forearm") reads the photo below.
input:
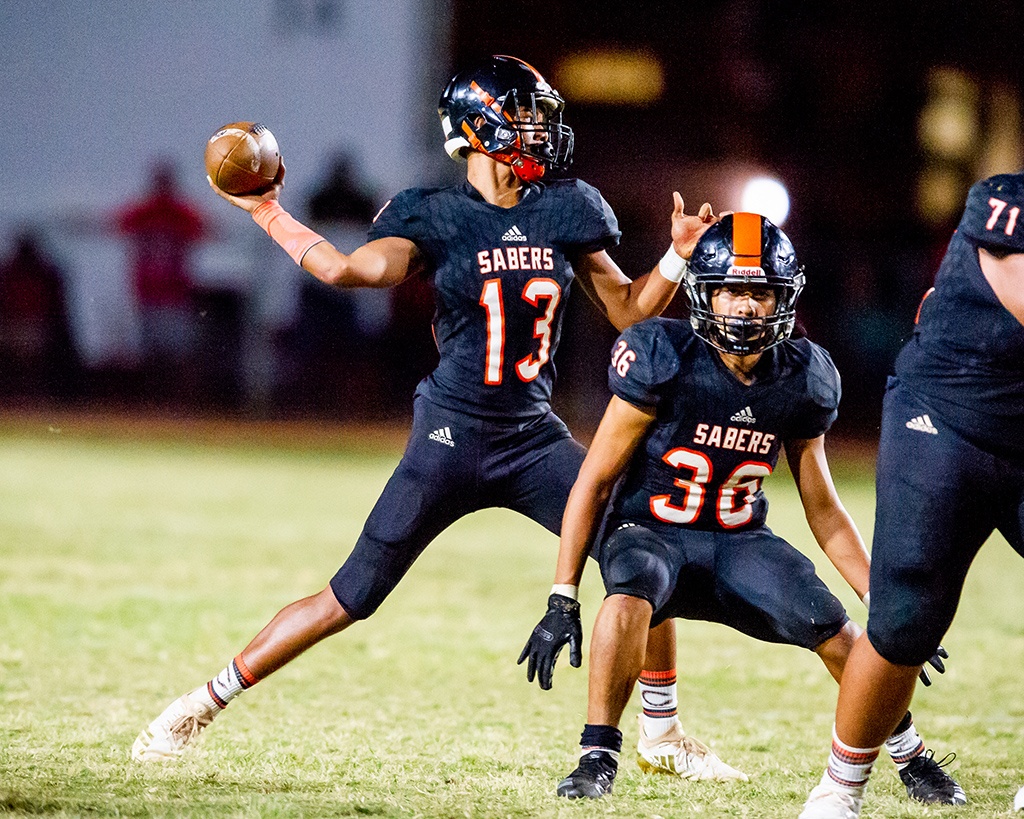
(842, 544)
(655, 293)
(377, 264)
(641, 299)
(582, 512)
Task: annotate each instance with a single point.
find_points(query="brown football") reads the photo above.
(242, 157)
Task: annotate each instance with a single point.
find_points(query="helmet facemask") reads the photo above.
(740, 335)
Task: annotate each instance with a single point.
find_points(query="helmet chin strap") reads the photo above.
(527, 168)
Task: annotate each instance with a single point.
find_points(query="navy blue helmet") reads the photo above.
(504, 108)
(743, 249)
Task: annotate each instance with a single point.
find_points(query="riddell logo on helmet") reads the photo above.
(739, 270)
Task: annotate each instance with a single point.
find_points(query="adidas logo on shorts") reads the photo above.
(513, 234)
(922, 424)
(745, 415)
(442, 436)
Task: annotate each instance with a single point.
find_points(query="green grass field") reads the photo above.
(133, 566)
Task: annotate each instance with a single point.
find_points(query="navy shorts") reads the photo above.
(751, 580)
(455, 464)
(938, 499)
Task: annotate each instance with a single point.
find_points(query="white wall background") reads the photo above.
(94, 90)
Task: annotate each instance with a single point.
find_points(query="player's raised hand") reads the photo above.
(687, 229)
(936, 663)
(559, 626)
(250, 201)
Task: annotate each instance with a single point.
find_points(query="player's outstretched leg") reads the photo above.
(295, 628)
(680, 755)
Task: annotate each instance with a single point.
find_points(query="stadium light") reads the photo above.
(767, 196)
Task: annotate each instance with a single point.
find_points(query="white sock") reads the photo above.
(905, 747)
(232, 681)
(849, 767)
(660, 701)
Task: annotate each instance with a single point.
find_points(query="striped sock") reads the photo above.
(905, 745)
(659, 698)
(231, 682)
(848, 767)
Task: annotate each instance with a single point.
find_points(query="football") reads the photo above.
(242, 158)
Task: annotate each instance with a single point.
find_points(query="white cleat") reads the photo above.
(677, 754)
(1018, 801)
(826, 802)
(166, 737)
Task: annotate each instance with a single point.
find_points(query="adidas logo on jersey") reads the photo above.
(442, 436)
(513, 234)
(922, 424)
(745, 415)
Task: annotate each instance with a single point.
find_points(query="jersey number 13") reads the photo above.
(541, 293)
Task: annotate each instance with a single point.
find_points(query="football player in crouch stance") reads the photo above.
(501, 251)
(950, 472)
(696, 421)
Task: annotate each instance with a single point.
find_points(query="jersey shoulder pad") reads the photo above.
(403, 214)
(645, 359)
(824, 386)
(992, 216)
(591, 217)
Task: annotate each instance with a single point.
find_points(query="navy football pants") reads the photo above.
(455, 464)
(938, 499)
(751, 580)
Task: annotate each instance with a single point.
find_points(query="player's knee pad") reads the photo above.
(905, 635)
(635, 562)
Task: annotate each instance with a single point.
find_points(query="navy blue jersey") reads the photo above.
(500, 278)
(714, 439)
(966, 357)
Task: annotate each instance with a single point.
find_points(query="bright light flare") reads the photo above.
(766, 196)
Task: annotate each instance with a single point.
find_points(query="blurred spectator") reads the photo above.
(343, 342)
(163, 229)
(37, 357)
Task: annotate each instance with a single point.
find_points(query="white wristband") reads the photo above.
(673, 266)
(867, 600)
(566, 590)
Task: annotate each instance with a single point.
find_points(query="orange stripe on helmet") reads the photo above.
(483, 93)
(746, 239)
(490, 101)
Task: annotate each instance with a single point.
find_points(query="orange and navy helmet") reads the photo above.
(743, 249)
(504, 108)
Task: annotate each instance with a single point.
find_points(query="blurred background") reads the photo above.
(126, 285)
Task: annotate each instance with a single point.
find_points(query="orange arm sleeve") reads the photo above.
(284, 229)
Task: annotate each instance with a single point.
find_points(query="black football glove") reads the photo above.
(936, 663)
(559, 626)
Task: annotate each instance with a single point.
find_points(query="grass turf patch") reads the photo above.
(133, 568)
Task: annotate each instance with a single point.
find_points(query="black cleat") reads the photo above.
(927, 782)
(592, 779)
